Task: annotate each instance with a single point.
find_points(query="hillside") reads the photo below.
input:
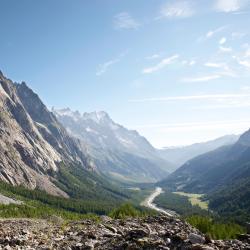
(179, 155)
(222, 174)
(118, 152)
(38, 153)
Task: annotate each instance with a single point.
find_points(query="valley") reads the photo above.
(124, 125)
(71, 166)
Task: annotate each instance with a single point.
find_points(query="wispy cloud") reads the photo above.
(177, 9)
(230, 5)
(154, 56)
(201, 78)
(162, 64)
(124, 20)
(189, 62)
(211, 33)
(225, 49)
(245, 63)
(208, 97)
(215, 65)
(102, 68)
(225, 69)
(238, 35)
(222, 40)
(187, 126)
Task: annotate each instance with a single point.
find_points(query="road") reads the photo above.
(149, 202)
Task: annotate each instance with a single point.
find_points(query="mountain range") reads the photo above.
(222, 174)
(73, 155)
(38, 153)
(116, 151)
(179, 155)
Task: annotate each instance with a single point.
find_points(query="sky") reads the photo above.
(176, 71)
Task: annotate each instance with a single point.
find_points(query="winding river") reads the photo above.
(149, 202)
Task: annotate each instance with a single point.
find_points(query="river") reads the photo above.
(149, 202)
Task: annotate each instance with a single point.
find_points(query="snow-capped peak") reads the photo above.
(67, 112)
(97, 116)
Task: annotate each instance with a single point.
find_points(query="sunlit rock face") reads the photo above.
(32, 141)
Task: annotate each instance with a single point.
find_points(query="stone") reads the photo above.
(133, 234)
(202, 247)
(137, 233)
(195, 238)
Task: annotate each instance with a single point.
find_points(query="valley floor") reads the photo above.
(157, 232)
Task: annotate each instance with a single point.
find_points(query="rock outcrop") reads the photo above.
(32, 142)
(146, 233)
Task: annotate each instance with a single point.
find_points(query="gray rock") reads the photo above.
(195, 238)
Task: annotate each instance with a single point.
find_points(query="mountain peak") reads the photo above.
(97, 116)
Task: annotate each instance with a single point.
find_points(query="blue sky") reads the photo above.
(176, 71)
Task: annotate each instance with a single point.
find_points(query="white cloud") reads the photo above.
(154, 56)
(211, 33)
(123, 20)
(177, 9)
(226, 71)
(229, 5)
(214, 65)
(187, 126)
(102, 68)
(238, 35)
(162, 64)
(225, 49)
(244, 63)
(208, 97)
(189, 63)
(222, 40)
(192, 62)
(202, 78)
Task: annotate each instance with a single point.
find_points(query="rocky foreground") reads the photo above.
(159, 232)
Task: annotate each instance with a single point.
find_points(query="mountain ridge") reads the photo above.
(116, 150)
(37, 152)
(179, 155)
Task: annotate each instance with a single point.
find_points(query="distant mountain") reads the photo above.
(37, 152)
(222, 174)
(117, 151)
(179, 155)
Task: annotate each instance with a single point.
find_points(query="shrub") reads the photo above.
(124, 211)
(214, 229)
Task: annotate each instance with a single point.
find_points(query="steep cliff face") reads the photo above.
(32, 142)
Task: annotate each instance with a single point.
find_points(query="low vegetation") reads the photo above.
(128, 210)
(39, 204)
(233, 201)
(215, 230)
(209, 223)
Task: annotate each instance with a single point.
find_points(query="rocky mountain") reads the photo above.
(35, 149)
(117, 151)
(179, 155)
